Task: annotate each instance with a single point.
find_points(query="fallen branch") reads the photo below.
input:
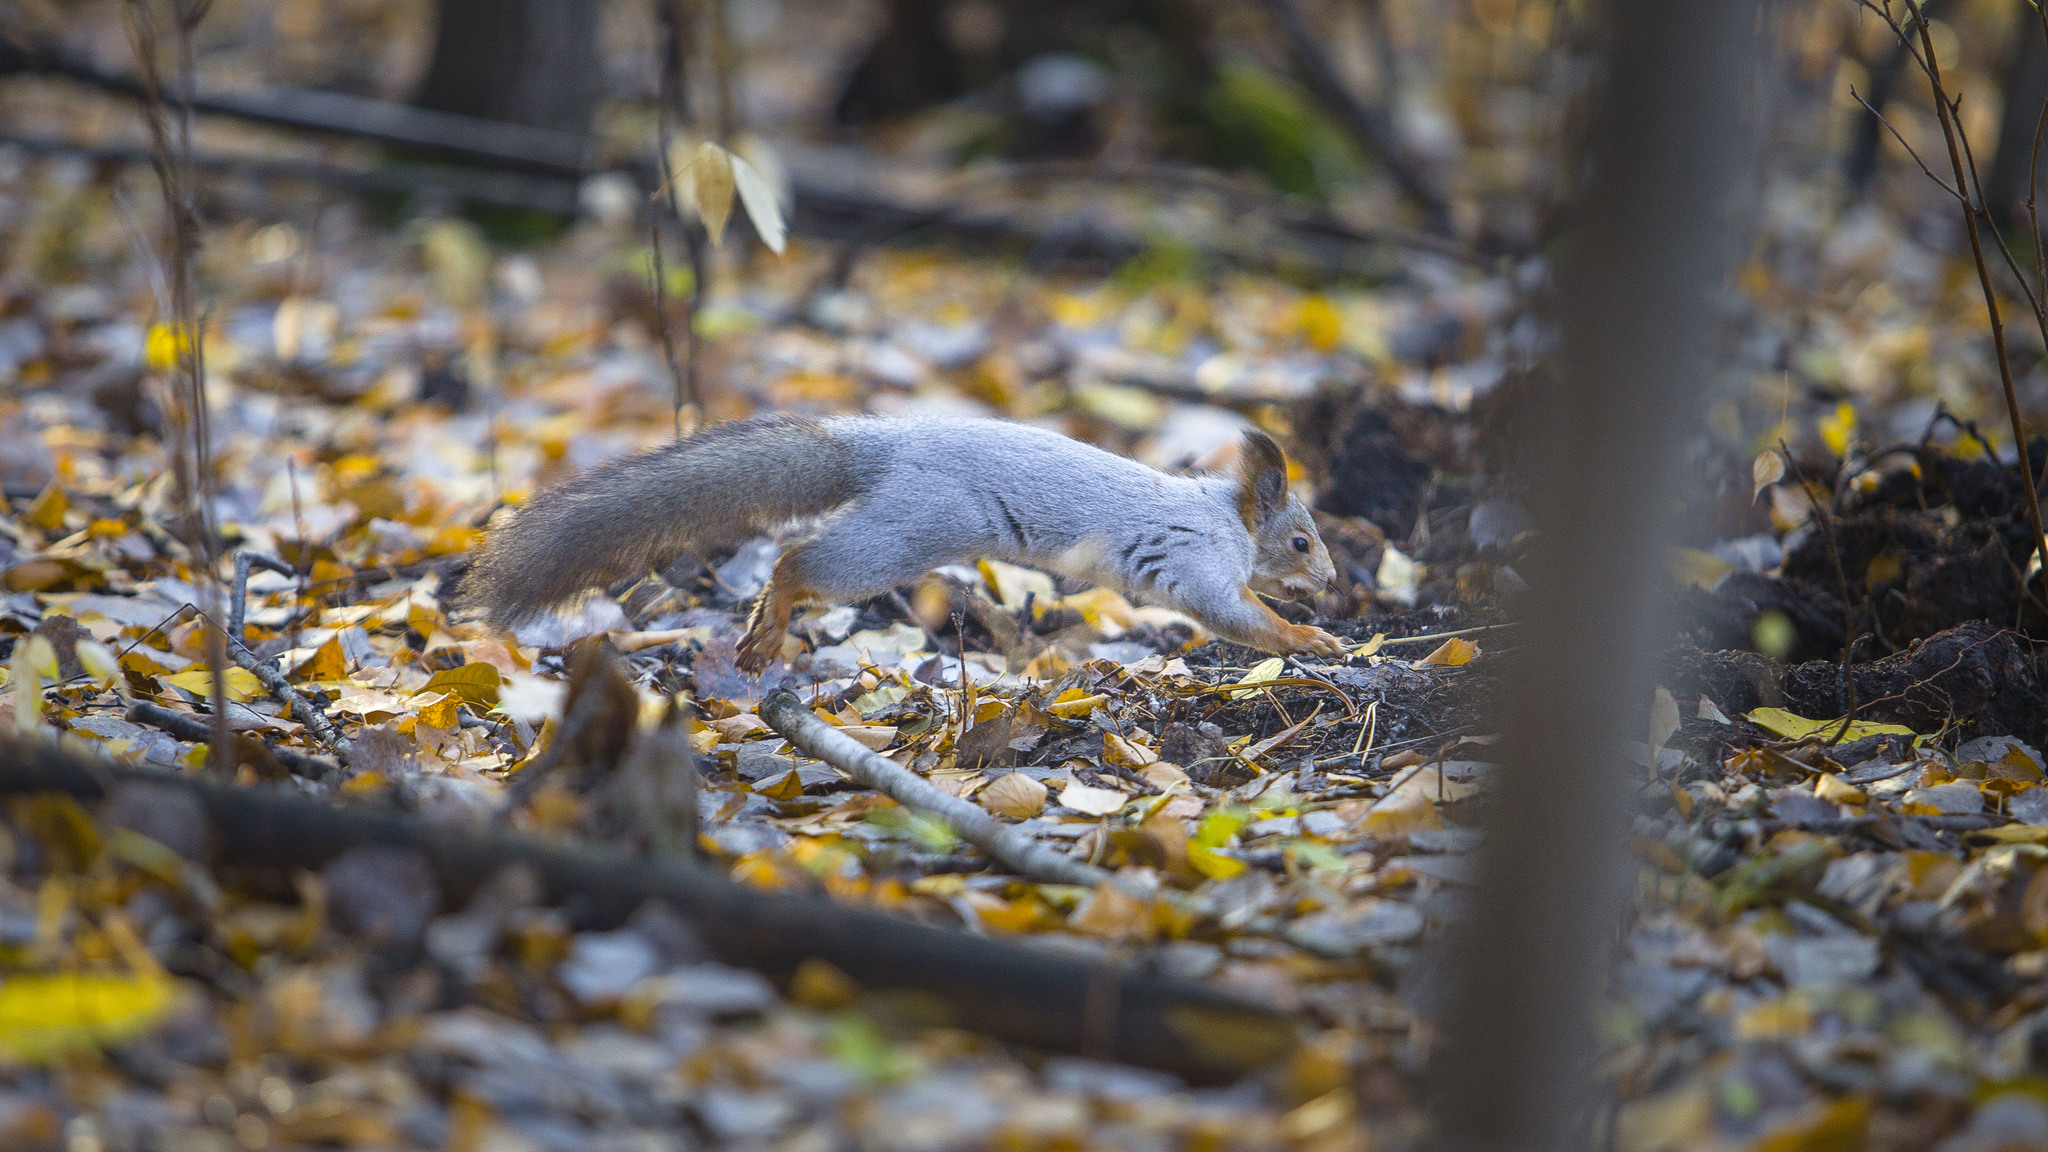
(196, 729)
(1025, 995)
(788, 715)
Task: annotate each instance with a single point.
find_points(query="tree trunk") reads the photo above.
(2026, 86)
(530, 62)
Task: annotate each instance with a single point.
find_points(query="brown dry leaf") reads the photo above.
(873, 737)
(1014, 795)
(712, 188)
(1130, 754)
(1110, 911)
(1256, 751)
(1163, 775)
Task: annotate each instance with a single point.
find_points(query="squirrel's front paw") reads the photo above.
(1306, 638)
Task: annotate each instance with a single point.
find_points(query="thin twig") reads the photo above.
(1966, 186)
(788, 715)
(238, 605)
(1845, 689)
(302, 709)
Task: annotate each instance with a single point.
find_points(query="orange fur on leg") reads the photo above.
(1277, 635)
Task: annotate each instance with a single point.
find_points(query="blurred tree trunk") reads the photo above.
(530, 62)
(2026, 87)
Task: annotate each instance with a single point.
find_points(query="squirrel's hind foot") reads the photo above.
(768, 623)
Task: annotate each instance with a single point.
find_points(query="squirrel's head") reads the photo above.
(1289, 557)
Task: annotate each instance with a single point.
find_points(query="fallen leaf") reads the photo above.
(477, 684)
(1451, 653)
(327, 662)
(1796, 727)
(1767, 469)
(1014, 795)
(1090, 800)
(43, 1018)
(242, 685)
(1261, 672)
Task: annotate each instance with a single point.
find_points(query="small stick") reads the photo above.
(787, 714)
(238, 608)
(303, 710)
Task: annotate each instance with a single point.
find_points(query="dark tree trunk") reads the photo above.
(2026, 86)
(531, 62)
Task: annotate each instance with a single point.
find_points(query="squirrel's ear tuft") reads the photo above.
(1262, 478)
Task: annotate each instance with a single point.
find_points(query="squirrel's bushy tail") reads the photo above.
(632, 515)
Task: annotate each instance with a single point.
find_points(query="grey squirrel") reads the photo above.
(896, 498)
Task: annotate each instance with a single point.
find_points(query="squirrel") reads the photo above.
(896, 498)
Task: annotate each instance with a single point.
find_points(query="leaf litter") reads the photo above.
(1839, 939)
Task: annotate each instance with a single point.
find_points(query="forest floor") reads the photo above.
(1838, 938)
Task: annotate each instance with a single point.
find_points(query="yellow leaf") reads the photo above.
(1074, 703)
(1213, 864)
(2015, 834)
(327, 663)
(165, 346)
(1837, 1126)
(47, 510)
(1370, 646)
(97, 660)
(38, 656)
(1118, 750)
(1014, 795)
(1787, 1016)
(1261, 672)
(242, 685)
(1698, 569)
(788, 787)
(438, 709)
(1795, 727)
(1104, 610)
(477, 683)
(1836, 790)
(1452, 653)
(1012, 584)
(1837, 428)
(1319, 322)
(1091, 801)
(43, 1018)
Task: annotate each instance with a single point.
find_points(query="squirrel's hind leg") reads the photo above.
(769, 621)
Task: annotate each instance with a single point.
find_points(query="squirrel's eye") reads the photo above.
(1301, 544)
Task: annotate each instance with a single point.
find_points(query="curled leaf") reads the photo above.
(1767, 469)
(757, 196)
(98, 662)
(39, 657)
(711, 186)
